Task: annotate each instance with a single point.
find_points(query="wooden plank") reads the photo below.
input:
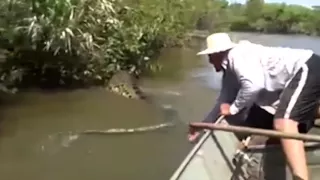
(255, 131)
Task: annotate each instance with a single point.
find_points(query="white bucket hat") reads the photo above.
(217, 42)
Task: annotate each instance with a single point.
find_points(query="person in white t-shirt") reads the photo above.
(293, 74)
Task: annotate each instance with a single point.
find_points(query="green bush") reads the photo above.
(52, 43)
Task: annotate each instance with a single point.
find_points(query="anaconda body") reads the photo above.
(124, 84)
(129, 130)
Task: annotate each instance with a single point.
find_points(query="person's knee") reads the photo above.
(285, 125)
(278, 124)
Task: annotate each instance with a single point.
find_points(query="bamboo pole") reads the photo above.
(255, 131)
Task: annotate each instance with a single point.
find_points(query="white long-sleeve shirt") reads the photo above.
(262, 69)
(228, 93)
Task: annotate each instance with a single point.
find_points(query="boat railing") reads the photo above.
(194, 151)
(190, 156)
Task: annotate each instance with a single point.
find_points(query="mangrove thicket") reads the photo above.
(78, 43)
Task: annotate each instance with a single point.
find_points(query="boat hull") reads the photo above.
(212, 159)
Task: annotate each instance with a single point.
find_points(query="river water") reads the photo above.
(38, 139)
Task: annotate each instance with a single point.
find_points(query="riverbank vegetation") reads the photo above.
(258, 16)
(275, 18)
(54, 43)
(76, 43)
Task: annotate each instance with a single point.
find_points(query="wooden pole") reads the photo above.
(254, 131)
(219, 120)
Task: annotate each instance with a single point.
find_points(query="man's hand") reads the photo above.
(193, 134)
(225, 109)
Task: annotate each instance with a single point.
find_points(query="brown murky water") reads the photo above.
(37, 139)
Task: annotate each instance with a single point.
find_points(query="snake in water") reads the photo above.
(124, 84)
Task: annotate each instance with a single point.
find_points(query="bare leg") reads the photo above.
(293, 149)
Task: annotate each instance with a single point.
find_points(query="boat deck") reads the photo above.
(213, 158)
(269, 159)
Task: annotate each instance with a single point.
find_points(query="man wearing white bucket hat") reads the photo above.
(291, 74)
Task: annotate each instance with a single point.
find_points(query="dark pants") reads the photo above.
(259, 118)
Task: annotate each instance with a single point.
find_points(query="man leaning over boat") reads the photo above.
(283, 81)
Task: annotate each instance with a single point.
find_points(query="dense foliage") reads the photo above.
(53, 43)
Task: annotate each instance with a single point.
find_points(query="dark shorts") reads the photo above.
(299, 100)
(260, 118)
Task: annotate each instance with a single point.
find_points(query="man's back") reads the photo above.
(274, 66)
